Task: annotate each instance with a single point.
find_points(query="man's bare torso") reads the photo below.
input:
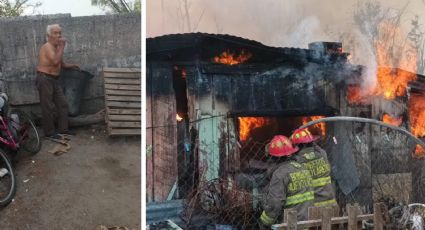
(45, 65)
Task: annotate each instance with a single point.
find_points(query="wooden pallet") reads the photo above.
(122, 101)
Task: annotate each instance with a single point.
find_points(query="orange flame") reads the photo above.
(320, 126)
(246, 124)
(396, 60)
(391, 120)
(178, 118)
(392, 83)
(355, 95)
(230, 58)
(417, 115)
(419, 152)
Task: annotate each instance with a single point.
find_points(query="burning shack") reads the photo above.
(214, 101)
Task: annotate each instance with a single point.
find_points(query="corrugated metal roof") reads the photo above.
(202, 46)
(185, 40)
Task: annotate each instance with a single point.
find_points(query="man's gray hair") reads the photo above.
(50, 27)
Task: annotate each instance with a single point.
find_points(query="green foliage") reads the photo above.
(119, 6)
(15, 8)
(10, 9)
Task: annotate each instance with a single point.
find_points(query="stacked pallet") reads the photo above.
(122, 101)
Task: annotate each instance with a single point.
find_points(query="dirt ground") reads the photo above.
(96, 182)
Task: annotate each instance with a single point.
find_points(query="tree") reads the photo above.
(417, 36)
(119, 6)
(15, 8)
(382, 28)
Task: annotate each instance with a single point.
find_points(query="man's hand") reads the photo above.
(61, 43)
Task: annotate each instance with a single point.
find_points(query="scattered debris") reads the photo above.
(25, 181)
(103, 227)
(62, 146)
(3, 172)
(164, 225)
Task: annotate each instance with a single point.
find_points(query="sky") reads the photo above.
(74, 7)
(272, 22)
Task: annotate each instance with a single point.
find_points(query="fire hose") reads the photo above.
(364, 120)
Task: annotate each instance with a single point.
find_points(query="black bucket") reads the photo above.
(74, 83)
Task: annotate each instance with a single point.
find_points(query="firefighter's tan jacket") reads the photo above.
(316, 161)
(289, 188)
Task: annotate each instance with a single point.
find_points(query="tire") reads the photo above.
(7, 182)
(27, 133)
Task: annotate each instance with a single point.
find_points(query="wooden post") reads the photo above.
(327, 214)
(352, 212)
(313, 214)
(378, 216)
(292, 220)
(336, 213)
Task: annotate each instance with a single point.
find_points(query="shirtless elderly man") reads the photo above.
(52, 99)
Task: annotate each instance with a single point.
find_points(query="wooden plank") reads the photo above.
(107, 75)
(326, 218)
(316, 223)
(126, 111)
(378, 216)
(164, 131)
(335, 213)
(121, 70)
(352, 217)
(124, 124)
(149, 137)
(124, 132)
(124, 81)
(124, 117)
(126, 87)
(122, 98)
(122, 92)
(123, 104)
(292, 220)
(313, 214)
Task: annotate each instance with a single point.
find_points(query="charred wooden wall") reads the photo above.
(161, 134)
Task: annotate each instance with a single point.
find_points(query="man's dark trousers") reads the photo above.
(52, 101)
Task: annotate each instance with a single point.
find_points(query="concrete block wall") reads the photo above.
(93, 42)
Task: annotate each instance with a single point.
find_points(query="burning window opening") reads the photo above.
(256, 132)
(396, 121)
(231, 58)
(247, 124)
(319, 128)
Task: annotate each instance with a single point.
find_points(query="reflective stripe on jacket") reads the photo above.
(289, 187)
(316, 161)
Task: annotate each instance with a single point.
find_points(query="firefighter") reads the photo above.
(315, 159)
(289, 187)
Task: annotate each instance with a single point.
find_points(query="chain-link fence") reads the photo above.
(222, 180)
